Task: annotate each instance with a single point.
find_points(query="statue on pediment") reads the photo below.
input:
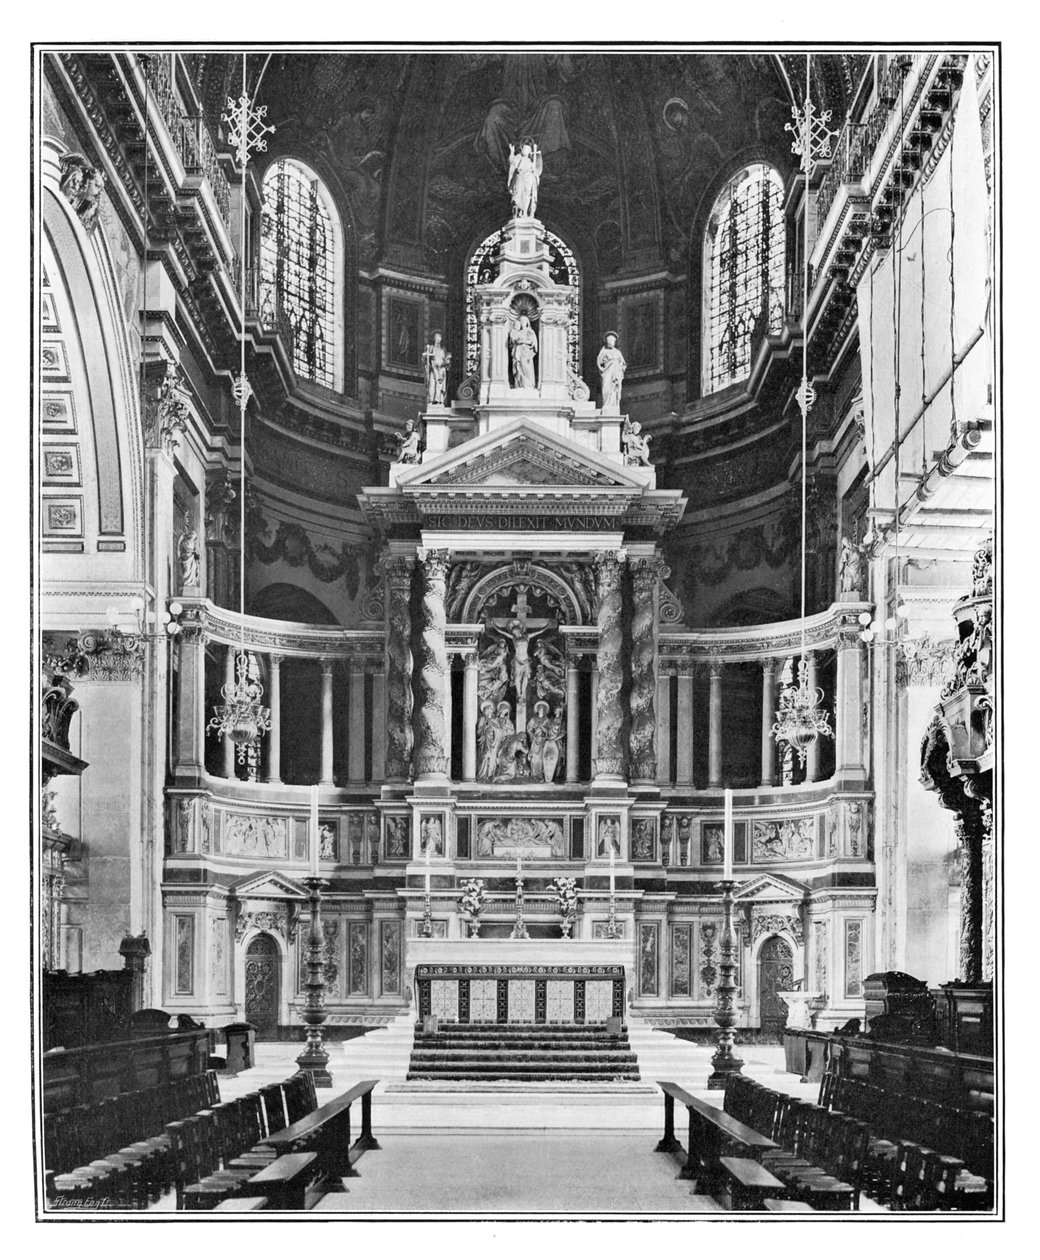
(408, 444)
(611, 364)
(523, 346)
(637, 446)
(436, 361)
(525, 171)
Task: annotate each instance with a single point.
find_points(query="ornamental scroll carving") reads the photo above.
(167, 414)
(708, 971)
(433, 665)
(398, 573)
(115, 657)
(765, 924)
(609, 715)
(924, 662)
(643, 722)
(262, 921)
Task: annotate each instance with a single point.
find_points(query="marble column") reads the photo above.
(715, 724)
(768, 718)
(430, 757)
(684, 728)
(398, 573)
(191, 704)
(572, 719)
(848, 708)
(989, 894)
(642, 731)
(969, 831)
(812, 756)
(448, 701)
(327, 778)
(378, 724)
(274, 738)
(356, 718)
(609, 762)
(229, 681)
(664, 727)
(470, 715)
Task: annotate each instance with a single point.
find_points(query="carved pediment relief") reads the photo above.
(525, 462)
(772, 889)
(269, 886)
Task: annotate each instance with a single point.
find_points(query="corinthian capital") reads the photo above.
(435, 565)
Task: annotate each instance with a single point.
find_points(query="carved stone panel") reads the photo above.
(789, 839)
(648, 965)
(853, 958)
(357, 958)
(681, 966)
(248, 835)
(390, 956)
(532, 837)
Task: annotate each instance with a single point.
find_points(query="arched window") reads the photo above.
(744, 265)
(563, 269)
(300, 258)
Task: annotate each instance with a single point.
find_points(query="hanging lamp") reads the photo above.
(800, 719)
(242, 717)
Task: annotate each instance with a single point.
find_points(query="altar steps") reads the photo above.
(522, 1052)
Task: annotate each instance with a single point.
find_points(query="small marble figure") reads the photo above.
(525, 170)
(436, 361)
(537, 734)
(431, 836)
(637, 447)
(327, 842)
(523, 346)
(851, 569)
(81, 185)
(609, 837)
(611, 364)
(408, 450)
(188, 552)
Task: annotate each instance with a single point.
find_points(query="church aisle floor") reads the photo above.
(529, 1174)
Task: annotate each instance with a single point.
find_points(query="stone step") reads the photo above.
(604, 1043)
(541, 1074)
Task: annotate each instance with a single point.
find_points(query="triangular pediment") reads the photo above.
(270, 885)
(518, 455)
(772, 888)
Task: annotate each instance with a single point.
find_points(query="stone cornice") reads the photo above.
(747, 643)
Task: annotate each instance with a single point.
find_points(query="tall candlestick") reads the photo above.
(314, 829)
(727, 837)
(612, 870)
(427, 867)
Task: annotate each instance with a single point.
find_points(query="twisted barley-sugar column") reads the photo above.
(970, 833)
(430, 758)
(398, 573)
(642, 751)
(609, 759)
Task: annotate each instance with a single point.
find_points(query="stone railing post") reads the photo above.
(609, 762)
(430, 758)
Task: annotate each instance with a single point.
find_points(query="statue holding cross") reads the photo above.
(520, 630)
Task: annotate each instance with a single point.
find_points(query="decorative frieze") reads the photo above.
(253, 835)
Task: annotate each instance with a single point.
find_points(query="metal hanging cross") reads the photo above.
(247, 127)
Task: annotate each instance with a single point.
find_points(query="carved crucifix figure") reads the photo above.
(520, 630)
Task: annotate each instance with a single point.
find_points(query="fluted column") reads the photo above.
(448, 701)
(664, 727)
(398, 573)
(715, 724)
(327, 778)
(609, 754)
(768, 718)
(848, 707)
(229, 681)
(684, 728)
(274, 700)
(572, 719)
(812, 756)
(470, 715)
(642, 731)
(356, 717)
(430, 758)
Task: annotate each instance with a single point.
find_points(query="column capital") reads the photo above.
(769, 666)
(327, 663)
(397, 569)
(274, 659)
(434, 563)
(471, 660)
(716, 664)
(358, 665)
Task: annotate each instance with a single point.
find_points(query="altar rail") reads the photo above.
(88, 1074)
(521, 993)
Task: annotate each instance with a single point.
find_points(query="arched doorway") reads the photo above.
(775, 973)
(263, 963)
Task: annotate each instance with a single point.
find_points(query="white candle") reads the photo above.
(314, 829)
(727, 837)
(427, 866)
(612, 869)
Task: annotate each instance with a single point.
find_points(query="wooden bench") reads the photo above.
(785, 1205)
(749, 1184)
(712, 1134)
(327, 1133)
(284, 1183)
(255, 1204)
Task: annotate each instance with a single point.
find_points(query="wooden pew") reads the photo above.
(327, 1132)
(283, 1184)
(712, 1134)
(749, 1184)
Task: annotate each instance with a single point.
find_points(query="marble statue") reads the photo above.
(523, 346)
(611, 364)
(327, 843)
(851, 568)
(493, 676)
(525, 170)
(436, 361)
(189, 554)
(512, 758)
(609, 837)
(550, 672)
(552, 757)
(537, 734)
(489, 736)
(637, 447)
(408, 448)
(431, 837)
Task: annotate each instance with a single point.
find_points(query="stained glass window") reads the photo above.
(563, 269)
(297, 266)
(744, 262)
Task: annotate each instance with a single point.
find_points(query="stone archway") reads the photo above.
(263, 966)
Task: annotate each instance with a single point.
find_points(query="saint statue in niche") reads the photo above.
(189, 554)
(609, 837)
(525, 170)
(436, 361)
(611, 364)
(431, 836)
(523, 346)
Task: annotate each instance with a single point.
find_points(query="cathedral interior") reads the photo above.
(516, 547)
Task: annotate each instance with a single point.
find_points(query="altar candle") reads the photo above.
(612, 869)
(314, 829)
(427, 867)
(727, 837)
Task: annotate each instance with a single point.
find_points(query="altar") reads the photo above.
(520, 981)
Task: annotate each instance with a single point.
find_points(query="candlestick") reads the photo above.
(314, 829)
(612, 870)
(315, 1058)
(724, 1062)
(727, 837)
(519, 932)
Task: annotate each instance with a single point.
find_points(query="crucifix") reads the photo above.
(520, 630)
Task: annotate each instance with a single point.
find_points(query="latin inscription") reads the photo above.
(519, 521)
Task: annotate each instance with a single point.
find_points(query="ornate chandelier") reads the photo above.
(800, 720)
(242, 718)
